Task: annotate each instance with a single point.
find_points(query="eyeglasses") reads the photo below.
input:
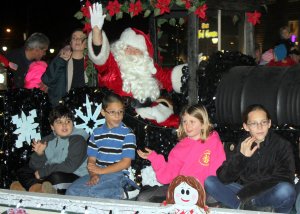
(261, 123)
(81, 39)
(63, 122)
(115, 113)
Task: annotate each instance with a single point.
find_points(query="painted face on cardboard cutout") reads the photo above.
(185, 195)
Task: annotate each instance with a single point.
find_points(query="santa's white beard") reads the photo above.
(136, 72)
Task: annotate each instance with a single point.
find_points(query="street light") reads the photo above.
(3, 78)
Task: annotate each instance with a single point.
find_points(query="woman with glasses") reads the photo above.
(260, 175)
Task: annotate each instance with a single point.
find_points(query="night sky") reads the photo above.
(55, 18)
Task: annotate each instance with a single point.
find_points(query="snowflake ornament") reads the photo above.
(26, 128)
(90, 119)
(149, 177)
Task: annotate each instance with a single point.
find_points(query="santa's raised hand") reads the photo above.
(97, 16)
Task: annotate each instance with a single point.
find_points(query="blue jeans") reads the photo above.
(297, 204)
(109, 186)
(281, 197)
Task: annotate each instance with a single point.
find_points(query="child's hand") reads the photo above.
(94, 179)
(38, 147)
(92, 168)
(37, 175)
(66, 52)
(246, 147)
(144, 155)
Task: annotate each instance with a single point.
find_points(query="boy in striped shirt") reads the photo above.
(110, 150)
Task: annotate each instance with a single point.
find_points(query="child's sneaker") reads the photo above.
(48, 188)
(16, 186)
(35, 188)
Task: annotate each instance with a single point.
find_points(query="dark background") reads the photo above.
(55, 18)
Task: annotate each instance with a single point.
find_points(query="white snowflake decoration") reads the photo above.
(148, 177)
(26, 128)
(89, 116)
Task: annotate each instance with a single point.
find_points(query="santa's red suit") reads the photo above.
(110, 74)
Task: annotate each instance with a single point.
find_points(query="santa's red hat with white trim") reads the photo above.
(137, 39)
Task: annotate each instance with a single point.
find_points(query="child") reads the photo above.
(34, 75)
(199, 153)
(110, 151)
(58, 159)
(260, 175)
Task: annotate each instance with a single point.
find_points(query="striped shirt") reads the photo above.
(109, 146)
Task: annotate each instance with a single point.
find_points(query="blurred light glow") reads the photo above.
(2, 78)
(4, 48)
(8, 30)
(204, 58)
(51, 50)
(293, 38)
(214, 40)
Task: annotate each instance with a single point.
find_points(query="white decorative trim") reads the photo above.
(101, 58)
(45, 203)
(176, 77)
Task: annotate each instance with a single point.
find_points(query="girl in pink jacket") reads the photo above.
(199, 153)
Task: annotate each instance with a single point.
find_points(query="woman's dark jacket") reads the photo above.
(272, 163)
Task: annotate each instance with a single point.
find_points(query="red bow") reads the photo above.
(253, 17)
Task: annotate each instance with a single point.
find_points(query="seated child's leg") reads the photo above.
(79, 187)
(26, 177)
(225, 194)
(61, 180)
(297, 204)
(154, 194)
(281, 197)
(109, 186)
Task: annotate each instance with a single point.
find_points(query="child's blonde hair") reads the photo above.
(198, 111)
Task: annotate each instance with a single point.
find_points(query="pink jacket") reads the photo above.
(190, 158)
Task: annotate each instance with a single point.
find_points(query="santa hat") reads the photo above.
(137, 39)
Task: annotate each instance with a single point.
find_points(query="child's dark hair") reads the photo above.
(254, 107)
(60, 111)
(198, 111)
(111, 98)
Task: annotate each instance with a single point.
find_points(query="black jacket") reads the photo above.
(18, 57)
(272, 163)
(55, 78)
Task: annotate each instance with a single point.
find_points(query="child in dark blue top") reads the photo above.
(110, 151)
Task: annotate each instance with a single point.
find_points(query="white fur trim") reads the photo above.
(176, 77)
(101, 58)
(159, 113)
(129, 37)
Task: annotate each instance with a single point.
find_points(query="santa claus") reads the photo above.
(127, 66)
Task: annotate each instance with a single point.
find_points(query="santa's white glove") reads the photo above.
(97, 17)
(159, 113)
